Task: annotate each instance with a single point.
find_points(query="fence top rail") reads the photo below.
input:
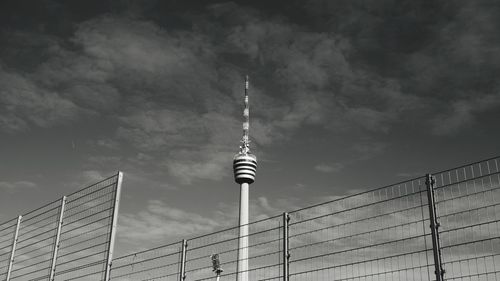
(8, 224)
(356, 194)
(389, 185)
(94, 184)
(466, 165)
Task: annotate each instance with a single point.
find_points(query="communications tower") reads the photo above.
(245, 168)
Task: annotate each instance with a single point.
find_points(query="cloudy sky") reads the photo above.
(345, 96)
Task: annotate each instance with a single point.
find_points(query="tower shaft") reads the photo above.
(243, 233)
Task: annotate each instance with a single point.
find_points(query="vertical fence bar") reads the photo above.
(13, 251)
(58, 238)
(286, 253)
(182, 273)
(114, 221)
(436, 248)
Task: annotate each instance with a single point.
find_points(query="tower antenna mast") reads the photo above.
(245, 147)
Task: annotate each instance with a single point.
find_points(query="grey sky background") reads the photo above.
(344, 96)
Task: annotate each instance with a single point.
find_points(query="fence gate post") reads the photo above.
(58, 239)
(286, 253)
(430, 182)
(114, 222)
(182, 273)
(13, 251)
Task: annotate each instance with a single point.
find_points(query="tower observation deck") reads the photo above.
(245, 163)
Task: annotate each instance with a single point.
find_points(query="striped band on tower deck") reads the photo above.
(245, 168)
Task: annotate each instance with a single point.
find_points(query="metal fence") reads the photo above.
(443, 226)
(468, 208)
(68, 239)
(375, 235)
(162, 263)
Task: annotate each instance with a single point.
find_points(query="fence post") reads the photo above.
(114, 221)
(286, 253)
(13, 251)
(436, 248)
(182, 273)
(58, 239)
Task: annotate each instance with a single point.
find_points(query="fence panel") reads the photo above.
(264, 259)
(83, 237)
(381, 234)
(35, 246)
(162, 263)
(468, 208)
(199, 250)
(86, 232)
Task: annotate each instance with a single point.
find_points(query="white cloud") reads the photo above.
(23, 103)
(198, 147)
(106, 142)
(86, 178)
(463, 114)
(12, 186)
(409, 174)
(368, 150)
(329, 168)
(199, 165)
(159, 222)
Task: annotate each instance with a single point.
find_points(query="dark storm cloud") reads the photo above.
(356, 67)
(445, 52)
